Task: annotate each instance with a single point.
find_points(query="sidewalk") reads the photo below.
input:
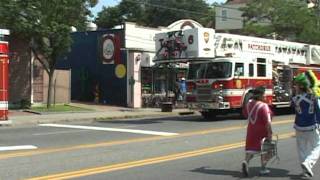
(100, 112)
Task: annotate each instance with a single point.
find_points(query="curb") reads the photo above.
(101, 118)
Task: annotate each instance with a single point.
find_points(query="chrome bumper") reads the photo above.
(207, 105)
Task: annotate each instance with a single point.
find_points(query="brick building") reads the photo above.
(28, 80)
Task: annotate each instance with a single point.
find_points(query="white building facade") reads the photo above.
(140, 47)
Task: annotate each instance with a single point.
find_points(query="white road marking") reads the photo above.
(111, 129)
(59, 132)
(14, 148)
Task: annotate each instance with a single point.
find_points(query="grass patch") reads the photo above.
(59, 108)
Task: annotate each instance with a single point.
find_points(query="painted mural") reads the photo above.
(98, 67)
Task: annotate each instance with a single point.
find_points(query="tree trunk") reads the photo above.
(50, 74)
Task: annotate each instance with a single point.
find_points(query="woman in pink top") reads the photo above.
(259, 115)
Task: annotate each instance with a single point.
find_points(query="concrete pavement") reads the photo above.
(99, 112)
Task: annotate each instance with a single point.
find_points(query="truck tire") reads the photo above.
(208, 115)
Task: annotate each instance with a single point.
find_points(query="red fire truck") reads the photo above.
(224, 67)
(4, 62)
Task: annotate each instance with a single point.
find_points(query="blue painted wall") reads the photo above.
(87, 69)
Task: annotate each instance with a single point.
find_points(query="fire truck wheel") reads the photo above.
(208, 115)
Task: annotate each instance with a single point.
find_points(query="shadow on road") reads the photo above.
(237, 115)
(233, 116)
(283, 111)
(254, 172)
(221, 172)
(191, 118)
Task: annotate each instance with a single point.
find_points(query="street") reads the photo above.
(176, 148)
(157, 90)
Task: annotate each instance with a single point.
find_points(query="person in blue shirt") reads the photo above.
(306, 123)
(183, 88)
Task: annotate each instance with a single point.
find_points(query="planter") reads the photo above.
(166, 107)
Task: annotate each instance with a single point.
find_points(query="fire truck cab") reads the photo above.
(224, 67)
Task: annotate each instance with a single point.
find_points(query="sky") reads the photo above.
(107, 3)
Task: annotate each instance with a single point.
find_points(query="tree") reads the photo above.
(130, 10)
(154, 13)
(109, 17)
(163, 13)
(209, 19)
(46, 26)
(289, 19)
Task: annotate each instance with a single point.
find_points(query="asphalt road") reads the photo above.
(179, 148)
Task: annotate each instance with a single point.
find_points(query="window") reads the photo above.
(197, 71)
(251, 70)
(210, 70)
(239, 69)
(146, 80)
(219, 70)
(261, 67)
(224, 15)
(261, 60)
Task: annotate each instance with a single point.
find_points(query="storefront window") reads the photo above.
(154, 82)
(146, 80)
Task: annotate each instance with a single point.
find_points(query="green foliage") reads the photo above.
(46, 25)
(22, 104)
(132, 10)
(258, 29)
(25, 104)
(59, 108)
(310, 35)
(154, 13)
(289, 19)
(209, 19)
(25, 17)
(109, 17)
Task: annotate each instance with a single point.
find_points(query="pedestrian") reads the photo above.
(306, 123)
(183, 88)
(176, 92)
(259, 117)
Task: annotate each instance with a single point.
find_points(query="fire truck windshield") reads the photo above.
(210, 70)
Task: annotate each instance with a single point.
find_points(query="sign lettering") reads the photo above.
(259, 47)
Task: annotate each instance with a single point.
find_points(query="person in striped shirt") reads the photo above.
(306, 124)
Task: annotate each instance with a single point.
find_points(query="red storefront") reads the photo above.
(4, 63)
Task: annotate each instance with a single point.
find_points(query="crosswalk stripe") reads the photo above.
(111, 129)
(14, 148)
